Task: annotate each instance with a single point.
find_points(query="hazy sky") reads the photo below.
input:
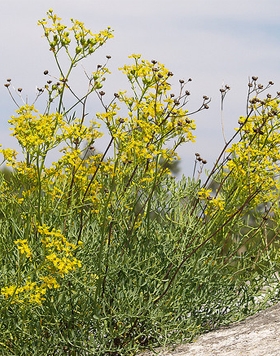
(211, 41)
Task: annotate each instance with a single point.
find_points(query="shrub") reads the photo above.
(107, 253)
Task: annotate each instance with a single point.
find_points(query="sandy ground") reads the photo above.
(258, 335)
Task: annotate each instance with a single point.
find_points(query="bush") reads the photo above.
(107, 253)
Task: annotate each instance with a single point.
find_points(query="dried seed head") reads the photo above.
(227, 87)
(270, 82)
(253, 100)
(108, 57)
(99, 66)
(268, 96)
(187, 93)
(190, 79)
(254, 78)
(206, 106)
(153, 61)
(49, 81)
(258, 130)
(160, 76)
(205, 97)
(204, 161)
(20, 90)
(7, 85)
(181, 81)
(170, 74)
(172, 95)
(222, 90)
(116, 95)
(260, 86)
(101, 93)
(250, 85)
(46, 72)
(9, 80)
(121, 121)
(197, 154)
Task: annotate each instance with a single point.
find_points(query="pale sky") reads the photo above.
(211, 41)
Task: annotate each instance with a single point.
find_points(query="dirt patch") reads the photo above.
(258, 335)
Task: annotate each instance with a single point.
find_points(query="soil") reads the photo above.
(258, 335)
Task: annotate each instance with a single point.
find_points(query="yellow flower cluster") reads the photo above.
(255, 158)
(36, 133)
(75, 132)
(9, 155)
(29, 293)
(204, 193)
(59, 251)
(212, 204)
(154, 116)
(59, 36)
(23, 247)
(58, 261)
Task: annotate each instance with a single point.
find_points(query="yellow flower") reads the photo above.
(23, 248)
(49, 282)
(204, 193)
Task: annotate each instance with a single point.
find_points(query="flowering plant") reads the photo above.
(107, 253)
